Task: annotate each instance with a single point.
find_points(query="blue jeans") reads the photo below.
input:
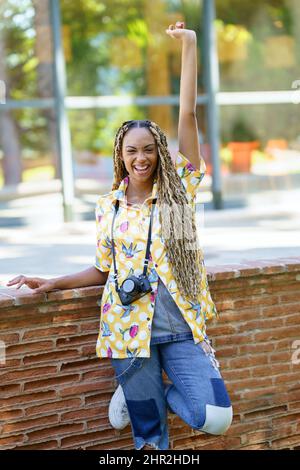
(197, 393)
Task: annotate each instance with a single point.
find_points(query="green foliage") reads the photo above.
(242, 132)
(91, 70)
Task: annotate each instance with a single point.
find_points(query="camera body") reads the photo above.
(134, 287)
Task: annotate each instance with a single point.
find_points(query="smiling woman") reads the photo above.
(156, 299)
(139, 154)
(154, 250)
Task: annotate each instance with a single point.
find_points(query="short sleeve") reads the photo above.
(190, 176)
(103, 257)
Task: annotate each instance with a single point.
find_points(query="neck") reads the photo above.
(139, 190)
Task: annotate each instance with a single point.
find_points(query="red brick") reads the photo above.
(250, 361)
(10, 338)
(285, 442)
(30, 424)
(28, 373)
(256, 348)
(63, 330)
(57, 431)
(84, 413)
(80, 365)
(76, 315)
(75, 340)
(287, 419)
(260, 323)
(84, 388)
(263, 446)
(294, 406)
(230, 375)
(75, 441)
(31, 397)
(119, 444)
(25, 348)
(234, 339)
(290, 332)
(11, 364)
(227, 352)
(287, 378)
(253, 301)
(293, 319)
(96, 374)
(47, 445)
(98, 423)
(89, 350)
(11, 441)
(243, 428)
(53, 406)
(272, 411)
(11, 414)
(51, 356)
(102, 397)
(90, 326)
(292, 297)
(80, 305)
(53, 383)
(10, 390)
(279, 310)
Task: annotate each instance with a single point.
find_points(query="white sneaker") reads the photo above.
(118, 412)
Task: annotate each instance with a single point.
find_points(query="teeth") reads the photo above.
(141, 167)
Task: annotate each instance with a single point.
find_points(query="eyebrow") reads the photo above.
(131, 146)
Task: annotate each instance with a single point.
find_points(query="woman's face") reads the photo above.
(139, 153)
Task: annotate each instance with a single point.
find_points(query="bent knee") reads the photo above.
(217, 419)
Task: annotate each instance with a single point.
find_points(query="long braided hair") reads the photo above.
(185, 262)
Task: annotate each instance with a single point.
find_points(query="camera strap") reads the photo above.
(146, 261)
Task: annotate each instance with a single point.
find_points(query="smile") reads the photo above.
(141, 169)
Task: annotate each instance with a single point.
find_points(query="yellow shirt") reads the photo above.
(125, 331)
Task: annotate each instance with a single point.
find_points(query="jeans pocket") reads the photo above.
(125, 368)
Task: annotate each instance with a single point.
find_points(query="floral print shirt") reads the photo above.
(125, 331)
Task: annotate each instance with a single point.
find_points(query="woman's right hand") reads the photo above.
(37, 284)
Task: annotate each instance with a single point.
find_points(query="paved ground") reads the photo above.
(35, 241)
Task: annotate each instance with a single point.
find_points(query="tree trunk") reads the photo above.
(45, 72)
(9, 134)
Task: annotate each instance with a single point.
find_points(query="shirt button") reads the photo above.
(148, 319)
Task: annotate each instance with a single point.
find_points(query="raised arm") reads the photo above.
(188, 139)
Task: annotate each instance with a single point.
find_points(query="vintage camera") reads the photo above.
(133, 288)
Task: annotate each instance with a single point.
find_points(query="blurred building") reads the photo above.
(71, 72)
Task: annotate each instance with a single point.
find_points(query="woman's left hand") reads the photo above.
(179, 32)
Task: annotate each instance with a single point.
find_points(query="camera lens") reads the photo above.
(128, 286)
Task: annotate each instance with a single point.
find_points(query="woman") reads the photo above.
(156, 298)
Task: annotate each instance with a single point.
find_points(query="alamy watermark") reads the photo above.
(296, 353)
(296, 95)
(2, 92)
(2, 353)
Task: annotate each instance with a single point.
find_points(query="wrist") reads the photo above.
(190, 38)
(55, 281)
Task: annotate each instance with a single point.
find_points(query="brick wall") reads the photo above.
(55, 392)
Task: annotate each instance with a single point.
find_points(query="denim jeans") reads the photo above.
(197, 393)
(168, 323)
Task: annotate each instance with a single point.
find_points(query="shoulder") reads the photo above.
(183, 163)
(190, 176)
(104, 201)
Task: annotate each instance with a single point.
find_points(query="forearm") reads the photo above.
(188, 79)
(89, 277)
